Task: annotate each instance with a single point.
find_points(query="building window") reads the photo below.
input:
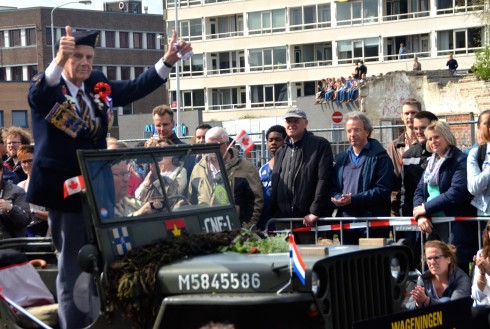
(225, 26)
(269, 95)
(2, 123)
(267, 59)
(31, 71)
(191, 99)
(309, 17)
(110, 39)
(324, 15)
(14, 36)
(189, 29)
(16, 73)
(350, 51)
(125, 73)
(137, 40)
(3, 74)
(123, 40)
(197, 64)
(2, 39)
(357, 12)
(111, 73)
(150, 40)
(19, 118)
(116, 119)
(228, 98)
(267, 21)
(30, 37)
(459, 41)
(47, 36)
(128, 109)
(138, 70)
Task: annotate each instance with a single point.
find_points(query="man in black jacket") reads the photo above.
(302, 175)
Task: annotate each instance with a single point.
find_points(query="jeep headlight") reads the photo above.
(315, 282)
(395, 268)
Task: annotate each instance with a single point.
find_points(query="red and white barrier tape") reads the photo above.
(376, 222)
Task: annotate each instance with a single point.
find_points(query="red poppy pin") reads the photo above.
(103, 90)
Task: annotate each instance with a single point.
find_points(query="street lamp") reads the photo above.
(83, 2)
(177, 71)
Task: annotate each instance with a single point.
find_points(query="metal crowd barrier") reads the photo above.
(407, 223)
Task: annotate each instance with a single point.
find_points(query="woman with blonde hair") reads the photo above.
(443, 281)
(442, 192)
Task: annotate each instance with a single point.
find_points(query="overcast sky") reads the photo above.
(154, 6)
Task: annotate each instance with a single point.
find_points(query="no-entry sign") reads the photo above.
(337, 117)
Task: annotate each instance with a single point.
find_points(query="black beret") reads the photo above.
(86, 38)
(83, 38)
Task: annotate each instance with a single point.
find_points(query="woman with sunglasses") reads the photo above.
(443, 281)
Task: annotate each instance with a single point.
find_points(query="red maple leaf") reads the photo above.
(245, 141)
(73, 185)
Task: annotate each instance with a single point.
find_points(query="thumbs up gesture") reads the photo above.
(66, 47)
(176, 49)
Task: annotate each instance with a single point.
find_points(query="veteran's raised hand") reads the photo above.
(66, 47)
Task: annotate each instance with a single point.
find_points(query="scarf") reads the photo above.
(431, 173)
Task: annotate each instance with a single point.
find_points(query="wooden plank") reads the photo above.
(317, 250)
(379, 242)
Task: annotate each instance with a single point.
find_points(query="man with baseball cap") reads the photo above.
(302, 174)
(71, 108)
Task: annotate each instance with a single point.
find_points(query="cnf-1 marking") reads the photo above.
(217, 223)
(218, 281)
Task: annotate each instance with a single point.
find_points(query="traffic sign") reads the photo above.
(337, 117)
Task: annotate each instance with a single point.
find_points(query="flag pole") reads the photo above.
(290, 268)
(229, 146)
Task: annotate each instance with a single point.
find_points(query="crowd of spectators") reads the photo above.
(422, 173)
(342, 90)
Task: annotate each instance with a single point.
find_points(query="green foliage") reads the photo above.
(250, 242)
(481, 68)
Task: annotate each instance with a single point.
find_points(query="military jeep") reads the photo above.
(344, 284)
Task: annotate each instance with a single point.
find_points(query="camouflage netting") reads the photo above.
(133, 288)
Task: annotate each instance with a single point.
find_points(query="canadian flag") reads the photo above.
(73, 185)
(244, 141)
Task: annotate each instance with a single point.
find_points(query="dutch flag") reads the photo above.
(296, 260)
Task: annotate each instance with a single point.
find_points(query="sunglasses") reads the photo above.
(434, 258)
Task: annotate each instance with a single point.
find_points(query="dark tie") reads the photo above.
(92, 126)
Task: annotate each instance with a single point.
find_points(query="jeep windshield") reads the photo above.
(136, 195)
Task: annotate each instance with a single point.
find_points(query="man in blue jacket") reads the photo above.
(363, 176)
(71, 108)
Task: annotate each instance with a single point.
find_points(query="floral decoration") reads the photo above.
(103, 90)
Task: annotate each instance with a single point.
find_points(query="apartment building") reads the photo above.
(130, 42)
(254, 58)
